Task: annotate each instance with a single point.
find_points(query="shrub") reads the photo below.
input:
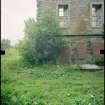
(99, 60)
(6, 95)
(5, 44)
(40, 44)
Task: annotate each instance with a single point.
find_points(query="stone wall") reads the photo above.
(80, 50)
(79, 14)
(83, 49)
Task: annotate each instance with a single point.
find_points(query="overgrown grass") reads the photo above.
(48, 84)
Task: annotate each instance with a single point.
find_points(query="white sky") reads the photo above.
(13, 14)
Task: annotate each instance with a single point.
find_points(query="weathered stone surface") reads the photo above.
(79, 13)
(78, 20)
(89, 67)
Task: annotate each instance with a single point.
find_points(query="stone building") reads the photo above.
(81, 22)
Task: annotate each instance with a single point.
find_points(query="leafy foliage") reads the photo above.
(5, 44)
(40, 45)
(99, 60)
(48, 84)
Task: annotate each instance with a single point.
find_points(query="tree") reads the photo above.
(40, 45)
(5, 44)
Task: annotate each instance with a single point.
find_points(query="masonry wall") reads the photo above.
(80, 18)
(79, 15)
(81, 50)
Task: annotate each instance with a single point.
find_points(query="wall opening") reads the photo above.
(63, 15)
(97, 15)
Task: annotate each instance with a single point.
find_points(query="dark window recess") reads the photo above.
(89, 47)
(102, 51)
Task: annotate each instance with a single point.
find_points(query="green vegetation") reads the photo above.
(5, 44)
(99, 60)
(48, 84)
(40, 44)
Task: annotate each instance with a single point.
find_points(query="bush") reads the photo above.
(5, 44)
(40, 44)
(6, 95)
(99, 60)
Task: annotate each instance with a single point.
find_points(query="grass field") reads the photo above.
(48, 84)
